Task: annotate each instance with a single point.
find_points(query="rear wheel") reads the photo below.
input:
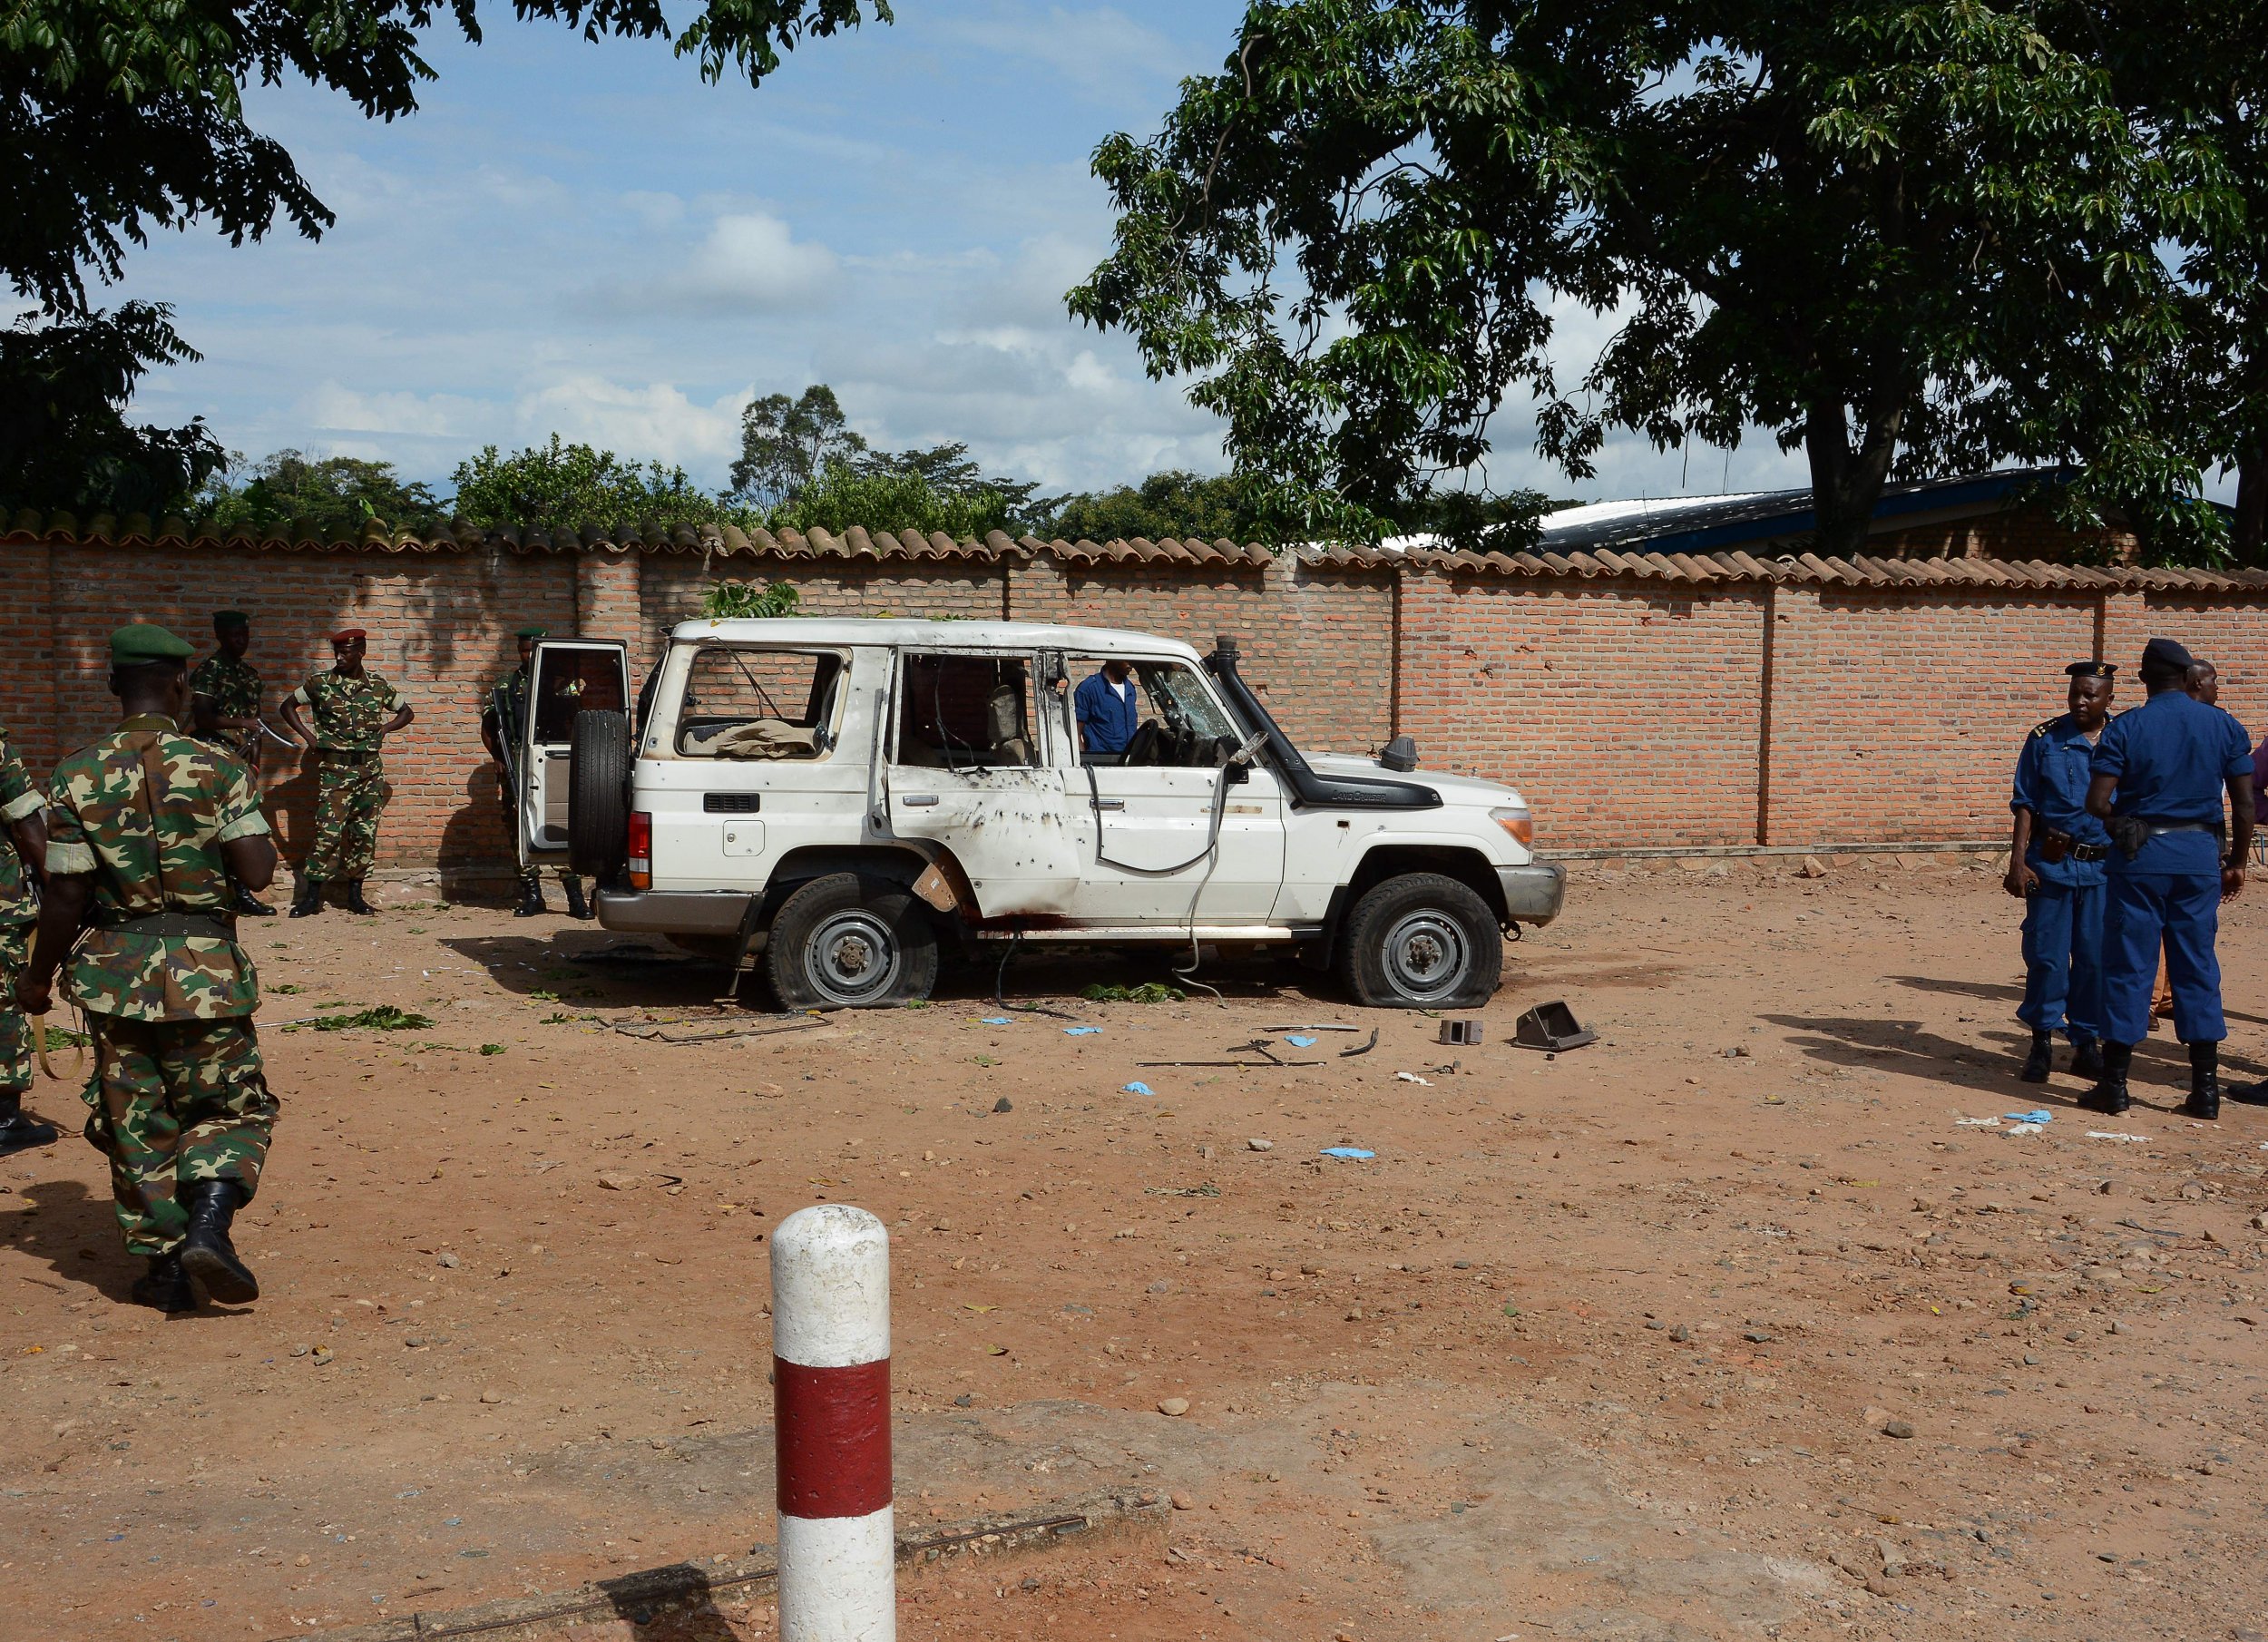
(1421, 941)
(598, 794)
(844, 942)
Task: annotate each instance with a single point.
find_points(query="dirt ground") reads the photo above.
(1723, 1325)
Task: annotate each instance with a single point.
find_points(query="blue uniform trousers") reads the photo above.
(2063, 960)
(2184, 910)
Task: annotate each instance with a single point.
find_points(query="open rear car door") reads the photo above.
(565, 677)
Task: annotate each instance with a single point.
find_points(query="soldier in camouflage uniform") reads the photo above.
(146, 830)
(22, 856)
(504, 714)
(351, 709)
(228, 689)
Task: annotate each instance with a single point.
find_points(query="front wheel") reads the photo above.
(843, 941)
(1421, 941)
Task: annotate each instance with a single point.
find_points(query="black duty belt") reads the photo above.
(202, 926)
(2089, 851)
(2158, 828)
(349, 755)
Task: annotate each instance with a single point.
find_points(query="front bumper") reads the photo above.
(672, 912)
(1534, 894)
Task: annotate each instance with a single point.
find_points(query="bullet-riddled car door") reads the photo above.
(969, 768)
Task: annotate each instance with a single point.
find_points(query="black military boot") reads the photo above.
(2110, 1094)
(165, 1285)
(247, 907)
(2041, 1061)
(206, 1255)
(353, 901)
(2204, 1082)
(18, 1132)
(309, 899)
(2086, 1057)
(577, 907)
(531, 898)
(2248, 1094)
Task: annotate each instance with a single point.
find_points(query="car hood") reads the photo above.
(1454, 789)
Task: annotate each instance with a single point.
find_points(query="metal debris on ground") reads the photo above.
(1461, 1033)
(656, 1031)
(1348, 1054)
(1551, 1027)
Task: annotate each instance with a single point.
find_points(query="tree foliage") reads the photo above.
(786, 443)
(126, 116)
(325, 498)
(892, 499)
(1907, 237)
(563, 486)
(1174, 505)
(64, 440)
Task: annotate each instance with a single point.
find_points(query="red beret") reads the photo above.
(345, 633)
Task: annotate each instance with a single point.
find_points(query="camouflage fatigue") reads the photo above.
(234, 689)
(178, 1091)
(348, 796)
(18, 798)
(347, 713)
(15, 1032)
(175, 1102)
(151, 853)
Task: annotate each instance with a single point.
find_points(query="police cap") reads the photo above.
(534, 630)
(2166, 655)
(142, 642)
(2092, 669)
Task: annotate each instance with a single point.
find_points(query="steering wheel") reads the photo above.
(1143, 748)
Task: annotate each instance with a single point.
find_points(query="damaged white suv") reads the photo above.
(837, 800)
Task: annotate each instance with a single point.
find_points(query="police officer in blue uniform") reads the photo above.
(2160, 772)
(2057, 853)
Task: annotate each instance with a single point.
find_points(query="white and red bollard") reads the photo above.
(831, 1422)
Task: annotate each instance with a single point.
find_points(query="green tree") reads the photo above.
(1174, 505)
(2196, 77)
(64, 440)
(1906, 237)
(841, 495)
(949, 471)
(785, 442)
(330, 498)
(126, 116)
(561, 486)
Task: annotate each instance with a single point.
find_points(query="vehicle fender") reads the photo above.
(1453, 855)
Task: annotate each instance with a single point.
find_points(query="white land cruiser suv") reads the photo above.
(837, 799)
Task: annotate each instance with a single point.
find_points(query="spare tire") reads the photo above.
(598, 794)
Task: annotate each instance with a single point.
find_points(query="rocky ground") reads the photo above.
(1727, 1325)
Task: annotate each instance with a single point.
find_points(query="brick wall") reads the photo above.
(1626, 714)
(1630, 713)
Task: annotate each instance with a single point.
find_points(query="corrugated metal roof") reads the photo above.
(728, 543)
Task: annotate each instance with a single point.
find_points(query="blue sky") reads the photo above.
(587, 239)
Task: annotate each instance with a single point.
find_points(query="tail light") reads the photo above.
(641, 850)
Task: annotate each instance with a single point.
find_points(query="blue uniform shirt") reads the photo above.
(2052, 774)
(2171, 757)
(1107, 720)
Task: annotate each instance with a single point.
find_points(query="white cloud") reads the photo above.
(749, 263)
(655, 420)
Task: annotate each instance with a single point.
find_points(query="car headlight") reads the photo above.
(1517, 822)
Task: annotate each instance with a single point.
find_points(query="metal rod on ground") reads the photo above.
(831, 1422)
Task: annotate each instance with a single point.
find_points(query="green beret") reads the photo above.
(230, 618)
(533, 631)
(133, 646)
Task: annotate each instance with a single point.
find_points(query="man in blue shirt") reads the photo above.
(1106, 711)
(2159, 775)
(2056, 856)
